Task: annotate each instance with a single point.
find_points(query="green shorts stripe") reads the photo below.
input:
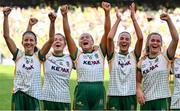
(89, 96)
(22, 101)
(122, 102)
(49, 105)
(158, 104)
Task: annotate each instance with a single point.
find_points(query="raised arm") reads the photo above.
(139, 42)
(139, 92)
(107, 25)
(110, 42)
(70, 42)
(31, 23)
(175, 38)
(46, 47)
(10, 43)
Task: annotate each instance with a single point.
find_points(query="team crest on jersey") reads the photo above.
(28, 64)
(96, 56)
(154, 61)
(85, 56)
(157, 59)
(29, 60)
(128, 57)
(67, 63)
(143, 66)
(89, 56)
(61, 63)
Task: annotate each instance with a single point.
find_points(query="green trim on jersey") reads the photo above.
(28, 55)
(110, 56)
(58, 55)
(22, 101)
(136, 57)
(15, 54)
(88, 52)
(169, 56)
(158, 104)
(41, 57)
(122, 102)
(125, 54)
(73, 57)
(49, 105)
(102, 50)
(89, 96)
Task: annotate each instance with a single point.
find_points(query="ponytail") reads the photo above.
(35, 49)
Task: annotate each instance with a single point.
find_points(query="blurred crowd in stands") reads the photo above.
(90, 20)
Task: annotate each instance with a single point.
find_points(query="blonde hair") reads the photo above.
(122, 33)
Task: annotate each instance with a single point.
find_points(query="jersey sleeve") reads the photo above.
(111, 57)
(99, 49)
(17, 54)
(41, 57)
(135, 55)
(76, 54)
(166, 55)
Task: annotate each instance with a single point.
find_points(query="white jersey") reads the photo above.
(155, 74)
(27, 75)
(57, 72)
(175, 100)
(90, 66)
(122, 75)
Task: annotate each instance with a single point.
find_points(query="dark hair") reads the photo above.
(147, 41)
(32, 33)
(62, 36)
(124, 32)
(35, 37)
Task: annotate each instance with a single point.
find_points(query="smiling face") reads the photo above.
(29, 43)
(154, 44)
(58, 44)
(124, 42)
(86, 42)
